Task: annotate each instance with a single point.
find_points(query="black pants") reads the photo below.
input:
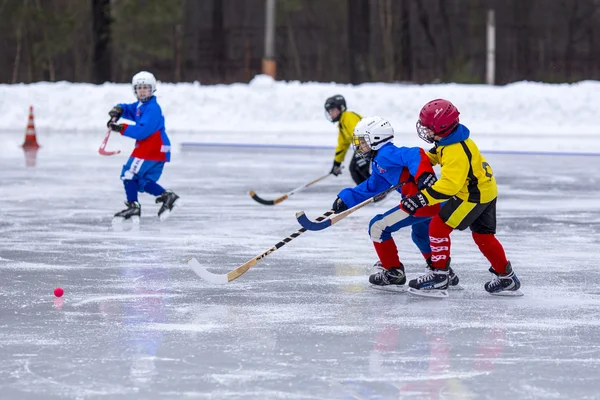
(459, 214)
(359, 169)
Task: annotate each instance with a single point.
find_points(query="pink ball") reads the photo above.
(58, 292)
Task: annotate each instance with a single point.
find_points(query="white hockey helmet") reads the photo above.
(371, 133)
(144, 78)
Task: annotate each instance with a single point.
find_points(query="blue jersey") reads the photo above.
(152, 142)
(392, 165)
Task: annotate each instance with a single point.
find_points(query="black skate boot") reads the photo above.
(169, 200)
(133, 212)
(433, 284)
(452, 277)
(392, 279)
(504, 285)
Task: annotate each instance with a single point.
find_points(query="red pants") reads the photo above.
(439, 238)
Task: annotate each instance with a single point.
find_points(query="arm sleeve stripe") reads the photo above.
(473, 186)
(434, 194)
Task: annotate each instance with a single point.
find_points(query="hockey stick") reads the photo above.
(318, 226)
(285, 196)
(239, 271)
(102, 150)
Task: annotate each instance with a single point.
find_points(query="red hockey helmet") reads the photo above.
(438, 117)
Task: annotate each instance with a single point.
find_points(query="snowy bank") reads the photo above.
(521, 116)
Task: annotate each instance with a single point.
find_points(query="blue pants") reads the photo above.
(383, 225)
(141, 176)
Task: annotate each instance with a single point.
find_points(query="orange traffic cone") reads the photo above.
(30, 139)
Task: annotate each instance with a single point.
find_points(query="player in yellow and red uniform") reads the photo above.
(336, 111)
(468, 188)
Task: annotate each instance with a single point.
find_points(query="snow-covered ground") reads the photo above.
(523, 116)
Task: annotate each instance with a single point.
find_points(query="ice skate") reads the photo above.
(504, 285)
(132, 212)
(433, 284)
(170, 200)
(391, 280)
(452, 277)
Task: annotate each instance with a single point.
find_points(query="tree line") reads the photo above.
(347, 41)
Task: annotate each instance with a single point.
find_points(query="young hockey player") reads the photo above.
(391, 165)
(468, 187)
(152, 148)
(336, 111)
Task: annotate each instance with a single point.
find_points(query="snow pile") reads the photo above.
(520, 116)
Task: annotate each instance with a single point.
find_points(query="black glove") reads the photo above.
(427, 179)
(115, 114)
(339, 206)
(336, 169)
(116, 127)
(412, 203)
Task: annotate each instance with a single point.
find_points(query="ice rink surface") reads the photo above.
(136, 323)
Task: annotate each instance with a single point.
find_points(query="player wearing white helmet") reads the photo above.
(391, 165)
(152, 148)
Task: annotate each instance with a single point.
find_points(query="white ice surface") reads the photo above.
(136, 322)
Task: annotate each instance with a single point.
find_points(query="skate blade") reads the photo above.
(167, 214)
(455, 287)
(390, 288)
(432, 293)
(120, 220)
(508, 293)
(164, 216)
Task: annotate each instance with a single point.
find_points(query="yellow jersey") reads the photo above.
(465, 172)
(346, 125)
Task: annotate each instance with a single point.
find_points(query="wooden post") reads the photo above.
(491, 48)
(269, 66)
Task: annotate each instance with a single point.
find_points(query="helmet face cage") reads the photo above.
(361, 144)
(362, 147)
(142, 86)
(424, 132)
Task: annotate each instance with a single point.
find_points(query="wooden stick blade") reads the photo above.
(260, 200)
(218, 279)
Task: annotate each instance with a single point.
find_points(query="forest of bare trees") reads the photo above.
(222, 41)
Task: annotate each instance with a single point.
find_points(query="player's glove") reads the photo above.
(427, 179)
(412, 203)
(336, 169)
(115, 114)
(339, 206)
(116, 127)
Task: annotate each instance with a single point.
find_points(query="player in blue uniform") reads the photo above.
(152, 148)
(391, 165)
